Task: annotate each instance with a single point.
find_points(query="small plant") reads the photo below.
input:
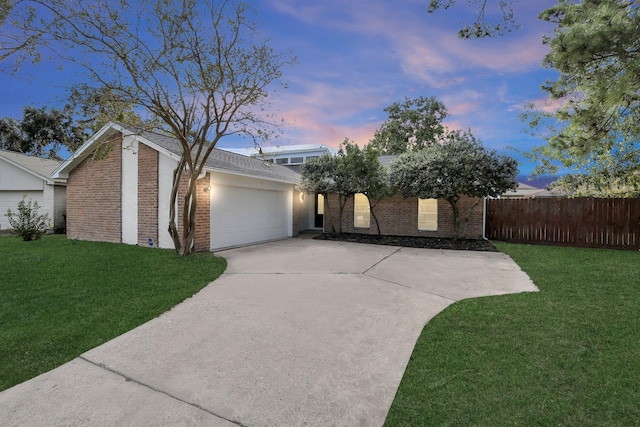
(26, 223)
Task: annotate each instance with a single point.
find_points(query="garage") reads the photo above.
(244, 215)
(10, 200)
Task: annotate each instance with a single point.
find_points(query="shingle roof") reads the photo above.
(36, 165)
(226, 161)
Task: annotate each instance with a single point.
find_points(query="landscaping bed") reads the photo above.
(412, 241)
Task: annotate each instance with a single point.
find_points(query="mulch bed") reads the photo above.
(412, 241)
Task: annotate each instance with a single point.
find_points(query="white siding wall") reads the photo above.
(129, 191)
(10, 200)
(166, 165)
(48, 197)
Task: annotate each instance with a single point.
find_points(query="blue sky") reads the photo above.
(355, 58)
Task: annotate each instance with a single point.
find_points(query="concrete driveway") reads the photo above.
(296, 332)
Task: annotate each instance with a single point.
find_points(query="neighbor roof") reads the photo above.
(281, 149)
(42, 168)
(219, 160)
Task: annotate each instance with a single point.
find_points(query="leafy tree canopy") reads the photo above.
(596, 49)
(42, 132)
(459, 166)
(411, 125)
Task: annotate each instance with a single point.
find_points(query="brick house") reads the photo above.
(119, 185)
(398, 216)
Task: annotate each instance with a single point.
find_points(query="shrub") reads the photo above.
(26, 223)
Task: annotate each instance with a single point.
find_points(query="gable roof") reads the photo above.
(37, 166)
(218, 161)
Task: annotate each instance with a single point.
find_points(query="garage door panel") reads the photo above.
(243, 215)
(10, 200)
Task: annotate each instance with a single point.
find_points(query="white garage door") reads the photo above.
(240, 216)
(10, 200)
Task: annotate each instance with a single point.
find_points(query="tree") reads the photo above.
(95, 107)
(41, 132)
(318, 176)
(198, 66)
(482, 27)
(411, 125)
(460, 166)
(365, 174)
(596, 49)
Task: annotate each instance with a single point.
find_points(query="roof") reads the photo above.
(281, 149)
(42, 168)
(386, 160)
(219, 160)
(527, 191)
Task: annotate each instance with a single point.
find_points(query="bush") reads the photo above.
(26, 223)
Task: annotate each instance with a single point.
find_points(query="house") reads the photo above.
(293, 156)
(22, 175)
(124, 196)
(310, 212)
(398, 216)
(526, 191)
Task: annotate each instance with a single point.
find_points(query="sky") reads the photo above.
(356, 57)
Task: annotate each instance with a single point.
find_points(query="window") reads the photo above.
(297, 160)
(361, 214)
(320, 205)
(283, 161)
(428, 214)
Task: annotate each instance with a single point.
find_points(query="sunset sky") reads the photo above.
(355, 58)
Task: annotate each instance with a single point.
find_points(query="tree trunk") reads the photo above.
(456, 218)
(183, 242)
(375, 218)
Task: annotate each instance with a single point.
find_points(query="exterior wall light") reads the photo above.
(207, 188)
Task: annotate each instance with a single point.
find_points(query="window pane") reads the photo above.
(320, 204)
(296, 160)
(361, 214)
(282, 161)
(428, 214)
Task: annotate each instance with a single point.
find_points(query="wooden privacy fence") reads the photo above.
(587, 222)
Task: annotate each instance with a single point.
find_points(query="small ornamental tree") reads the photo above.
(27, 223)
(319, 177)
(459, 166)
(366, 174)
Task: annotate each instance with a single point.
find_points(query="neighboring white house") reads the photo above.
(526, 191)
(22, 175)
(286, 155)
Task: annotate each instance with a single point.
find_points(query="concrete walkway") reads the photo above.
(296, 332)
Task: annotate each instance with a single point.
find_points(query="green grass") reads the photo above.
(60, 298)
(566, 356)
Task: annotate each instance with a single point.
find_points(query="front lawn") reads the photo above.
(568, 355)
(60, 298)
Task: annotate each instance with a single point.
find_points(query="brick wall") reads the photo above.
(94, 198)
(203, 215)
(147, 195)
(203, 211)
(398, 216)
